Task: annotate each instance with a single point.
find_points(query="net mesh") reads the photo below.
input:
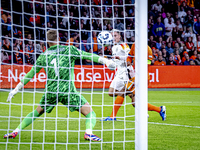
(24, 26)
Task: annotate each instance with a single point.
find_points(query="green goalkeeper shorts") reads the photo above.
(73, 101)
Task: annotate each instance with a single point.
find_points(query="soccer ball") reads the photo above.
(105, 38)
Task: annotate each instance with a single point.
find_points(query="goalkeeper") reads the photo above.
(58, 62)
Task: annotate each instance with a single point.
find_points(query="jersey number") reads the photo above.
(55, 66)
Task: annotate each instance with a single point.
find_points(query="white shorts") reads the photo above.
(119, 81)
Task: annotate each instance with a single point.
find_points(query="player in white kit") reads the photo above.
(120, 51)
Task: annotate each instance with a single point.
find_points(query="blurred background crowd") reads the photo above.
(173, 28)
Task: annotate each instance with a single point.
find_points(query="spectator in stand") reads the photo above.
(20, 36)
(155, 53)
(198, 43)
(65, 20)
(105, 22)
(30, 46)
(177, 47)
(171, 61)
(15, 31)
(97, 25)
(158, 29)
(157, 5)
(182, 14)
(177, 57)
(159, 43)
(61, 10)
(166, 20)
(119, 25)
(163, 14)
(196, 26)
(189, 44)
(18, 44)
(151, 41)
(163, 3)
(181, 43)
(185, 7)
(187, 60)
(92, 44)
(18, 55)
(129, 33)
(169, 27)
(169, 48)
(150, 25)
(73, 38)
(177, 31)
(173, 7)
(40, 9)
(72, 21)
(7, 45)
(170, 40)
(189, 20)
(194, 55)
(4, 56)
(42, 46)
(28, 57)
(188, 33)
(197, 60)
(109, 27)
(165, 55)
(97, 11)
(160, 61)
(192, 62)
(108, 51)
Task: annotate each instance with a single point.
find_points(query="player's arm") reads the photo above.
(95, 58)
(25, 80)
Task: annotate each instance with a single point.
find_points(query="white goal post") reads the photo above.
(73, 126)
(141, 87)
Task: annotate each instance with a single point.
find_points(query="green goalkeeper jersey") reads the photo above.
(58, 62)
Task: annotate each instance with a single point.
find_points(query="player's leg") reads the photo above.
(90, 122)
(112, 92)
(161, 110)
(26, 122)
(78, 103)
(117, 104)
(44, 105)
(118, 87)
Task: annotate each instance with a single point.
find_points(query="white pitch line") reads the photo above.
(166, 124)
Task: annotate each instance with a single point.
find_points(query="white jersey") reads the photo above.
(122, 51)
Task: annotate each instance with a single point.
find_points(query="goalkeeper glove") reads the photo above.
(109, 63)
(15, 91)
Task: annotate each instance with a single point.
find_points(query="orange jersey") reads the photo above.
(132, 53)
(132, 56)
(158, 63)
(70, 41)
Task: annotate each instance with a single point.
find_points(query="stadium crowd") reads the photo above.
(173, 28)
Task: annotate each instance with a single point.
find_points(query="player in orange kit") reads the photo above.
(130, 86)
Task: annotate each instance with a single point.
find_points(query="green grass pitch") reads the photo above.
(181, 130)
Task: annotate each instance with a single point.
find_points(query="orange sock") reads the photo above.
(118, 103)
(153, 108)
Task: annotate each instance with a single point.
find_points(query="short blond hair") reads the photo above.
(52, 35)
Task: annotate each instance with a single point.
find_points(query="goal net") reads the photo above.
(23, 37)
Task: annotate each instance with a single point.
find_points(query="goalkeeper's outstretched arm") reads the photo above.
(23, 82)
(95, 58)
